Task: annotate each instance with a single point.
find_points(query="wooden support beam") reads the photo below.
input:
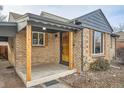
(28, 51)
(71, 64)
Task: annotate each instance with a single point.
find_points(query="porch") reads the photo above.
(43, 63)
(44, 73)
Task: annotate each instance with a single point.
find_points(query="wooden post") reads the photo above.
(28, 52)
(71, 50)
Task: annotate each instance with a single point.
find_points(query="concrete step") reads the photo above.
(53, 84)
(49, 78)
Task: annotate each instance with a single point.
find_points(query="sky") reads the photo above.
(114, 13)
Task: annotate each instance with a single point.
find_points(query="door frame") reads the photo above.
(71, 64)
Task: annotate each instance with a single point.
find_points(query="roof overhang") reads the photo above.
(53, 25)
(8, 29)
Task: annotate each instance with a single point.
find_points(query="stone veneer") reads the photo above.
(82, 61)
(88, 57)
(77, 50)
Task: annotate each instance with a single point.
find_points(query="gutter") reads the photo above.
(115, 35)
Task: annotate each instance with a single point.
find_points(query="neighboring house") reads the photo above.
(120, 40)
(45, 47)
(120, 46)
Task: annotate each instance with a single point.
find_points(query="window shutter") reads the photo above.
(46, 39)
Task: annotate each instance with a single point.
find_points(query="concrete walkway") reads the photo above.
(8, 77)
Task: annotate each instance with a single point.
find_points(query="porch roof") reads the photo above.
(39, 21)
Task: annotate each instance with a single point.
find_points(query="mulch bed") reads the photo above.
(112, 78)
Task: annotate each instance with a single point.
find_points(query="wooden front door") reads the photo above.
(65, 48)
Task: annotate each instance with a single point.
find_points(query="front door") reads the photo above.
(65, 48)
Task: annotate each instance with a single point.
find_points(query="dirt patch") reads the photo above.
(112, 78)
(8, 77)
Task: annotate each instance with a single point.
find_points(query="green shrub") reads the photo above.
(100, 65)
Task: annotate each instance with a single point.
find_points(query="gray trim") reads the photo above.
(21, 25)
(53, 16)
(50, 23)
(8, 24)
(40, 18)
(3, 39)
(8, 29)
(51, 28)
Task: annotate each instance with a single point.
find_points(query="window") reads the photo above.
(38, 38)
(97, 42)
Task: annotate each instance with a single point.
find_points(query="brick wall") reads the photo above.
(48, 53)
(113, 49)
(20, 49)
(120, 44)
(40, 54)
(11, 51)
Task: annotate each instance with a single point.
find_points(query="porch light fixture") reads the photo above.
(44, 28)
(56, 35)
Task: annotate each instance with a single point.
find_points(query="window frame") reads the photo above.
(38, 38)
(101, 44)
